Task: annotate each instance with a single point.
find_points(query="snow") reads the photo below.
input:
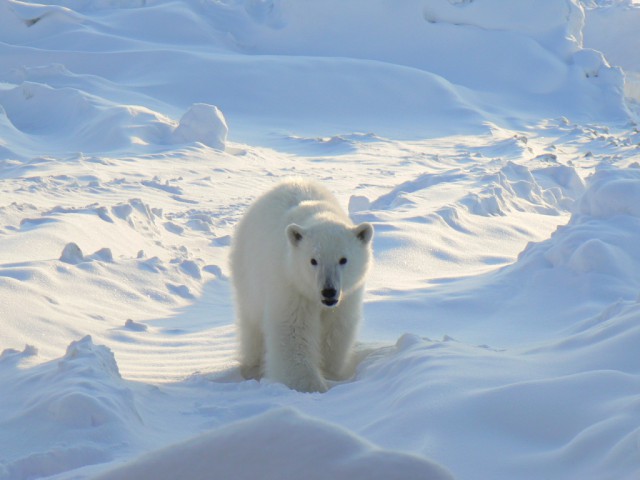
(493, 145)
(301, 445)
(205, 124)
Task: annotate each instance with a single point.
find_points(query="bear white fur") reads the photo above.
(298, 267)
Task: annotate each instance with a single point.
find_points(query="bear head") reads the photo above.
(329, 260)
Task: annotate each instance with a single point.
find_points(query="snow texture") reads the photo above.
(493, 145)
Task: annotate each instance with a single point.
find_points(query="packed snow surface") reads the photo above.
(493, 146)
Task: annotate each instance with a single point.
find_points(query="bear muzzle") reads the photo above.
(330, 296)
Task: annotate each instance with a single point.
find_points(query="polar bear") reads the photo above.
(298, 267)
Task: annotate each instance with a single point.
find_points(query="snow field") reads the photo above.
(573, 327)
(491, 145)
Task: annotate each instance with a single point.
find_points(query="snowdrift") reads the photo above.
(562, 321)
(588, 263)
(422, 69)
(279, 444)
(80, 400)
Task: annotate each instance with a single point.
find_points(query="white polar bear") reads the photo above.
(298, 266)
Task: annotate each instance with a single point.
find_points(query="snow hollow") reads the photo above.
(492, 144)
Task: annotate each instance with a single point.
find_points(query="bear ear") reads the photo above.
(364, 232)
(295, 234)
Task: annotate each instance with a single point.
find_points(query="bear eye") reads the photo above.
(314, 262)
(343, 261)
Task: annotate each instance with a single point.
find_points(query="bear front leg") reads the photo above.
(292, 335)
(340, 329)
(250, 342)
(251, 349)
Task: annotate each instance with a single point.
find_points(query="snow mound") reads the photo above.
(613, 193)
(276, 445)
(67, 118)
(71, 254)
(592, 259)
(66, 409)
(554, 284)
(600, 240)
(525, 52)
(516, 187)
(532, 400)
(205, 124)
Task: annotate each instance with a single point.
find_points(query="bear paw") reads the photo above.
(309, 384)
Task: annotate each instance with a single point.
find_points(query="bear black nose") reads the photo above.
(329, 292)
